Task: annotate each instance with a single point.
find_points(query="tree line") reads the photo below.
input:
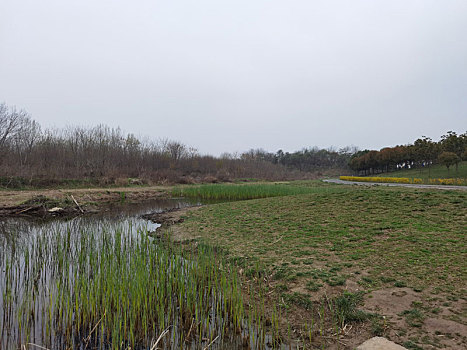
(31, 155)
(34, 156)
(308, 159)
(424, 152)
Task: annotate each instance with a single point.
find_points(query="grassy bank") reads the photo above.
(437, 171)
(380, 241)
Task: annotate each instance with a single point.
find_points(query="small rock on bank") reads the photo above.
(380, 343)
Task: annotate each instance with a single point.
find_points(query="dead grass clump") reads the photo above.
(121, 181)
(186, 180)
(210, 179)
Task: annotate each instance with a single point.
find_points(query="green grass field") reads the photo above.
(435, 172)
(338, 238)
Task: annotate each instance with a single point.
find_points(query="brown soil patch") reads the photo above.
(391, 301)
(352, 286)
(445, 326)
(438, 332)
(12, 203)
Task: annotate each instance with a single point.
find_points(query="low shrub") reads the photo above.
(407, 180)
(452, 182)
(401, 180)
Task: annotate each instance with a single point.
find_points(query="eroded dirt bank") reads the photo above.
(170, 221)
(68, 202)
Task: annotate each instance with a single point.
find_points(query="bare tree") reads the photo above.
(10, 123)
(176, 150)
(103, 154)
(25, 138)
(10, 120)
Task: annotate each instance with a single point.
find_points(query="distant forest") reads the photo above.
(32, 156)
(424, 152)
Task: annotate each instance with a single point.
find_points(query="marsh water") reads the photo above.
(35, 293)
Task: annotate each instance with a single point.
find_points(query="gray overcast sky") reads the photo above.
(229, 75)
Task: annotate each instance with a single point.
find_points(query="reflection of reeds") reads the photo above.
(239, 192)
(115, 289)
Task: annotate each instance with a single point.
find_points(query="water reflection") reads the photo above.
(17, 230)
(23, 282)
(19, 279)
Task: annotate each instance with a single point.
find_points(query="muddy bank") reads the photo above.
(73, 202)
(170, 218)
(166, 218)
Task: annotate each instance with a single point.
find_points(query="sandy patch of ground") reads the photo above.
(435, 330)
(390, 302)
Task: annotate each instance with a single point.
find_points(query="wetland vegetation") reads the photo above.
(239, 192)
(285, 264)
(290, 266)
(369, 244)
(108, 284)
(111, 288)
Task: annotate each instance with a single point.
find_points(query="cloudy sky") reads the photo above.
(229, 75)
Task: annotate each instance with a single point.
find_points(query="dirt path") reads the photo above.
(436, 187)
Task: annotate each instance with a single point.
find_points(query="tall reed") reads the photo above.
(239, 192)
(116, 288)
